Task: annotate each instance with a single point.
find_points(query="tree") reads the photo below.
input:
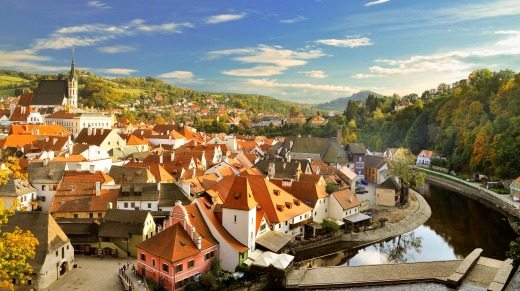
(402, 167)
(330, 226)
(16, 247)
(514, 251)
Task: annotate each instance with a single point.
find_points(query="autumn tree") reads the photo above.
(402, 167)
(17, 246)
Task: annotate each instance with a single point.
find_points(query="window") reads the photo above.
(99, 215)
(360, 159)
(209, 255)
(235, 219)
(360, 165)
(165, 268)
(132, 204)
(43, 198)
(44, 187)
(57, 253)
(178, 268)
(153, 262)
(91, 215)
(143, 257)
(149, 205)
(191, 264)
(75, 215)
(125, 205)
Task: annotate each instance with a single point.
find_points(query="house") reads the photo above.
(125, 229)
(150, 196)
(82, 157)
(281, 169)
(375, 169)
(296, 118)
(182, 251)
(402, 105)
(329, 150)
(122, 174)
(424, 157)
(76, 121)
(389, 153)
(356, 155)
(83, 195)
(347, 177)
(317, 121)
(82, 232)
(20, 191)
(388, 192)
(45, 177)
(343, 203)
(106, 139)
(54, 252)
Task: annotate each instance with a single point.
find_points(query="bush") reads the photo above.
(330, 225)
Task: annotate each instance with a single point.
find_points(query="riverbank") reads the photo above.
(501, 203)
(409, 219)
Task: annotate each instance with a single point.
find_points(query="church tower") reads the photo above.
(73, 85)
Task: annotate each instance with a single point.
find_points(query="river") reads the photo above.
(456, 227)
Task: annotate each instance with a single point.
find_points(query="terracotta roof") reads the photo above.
(346, 198)
(63, 114)
(25, 99)
(96, 137)
(172, 244)
(157, 170)
(20, 114)
(207, 209)
(240, 195)
(134, 140)
(17, 140)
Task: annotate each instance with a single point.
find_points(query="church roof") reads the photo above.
(50, 92)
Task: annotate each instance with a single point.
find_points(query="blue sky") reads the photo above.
(309, 51)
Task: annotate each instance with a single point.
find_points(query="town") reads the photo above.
(177, 200)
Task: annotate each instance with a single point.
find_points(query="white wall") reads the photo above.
(321, 210)
(241, 225)
(50, 269)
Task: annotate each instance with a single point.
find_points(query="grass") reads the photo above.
(9, 92)
(6, 81)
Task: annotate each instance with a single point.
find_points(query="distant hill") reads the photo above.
(340, 103)
(94, 91)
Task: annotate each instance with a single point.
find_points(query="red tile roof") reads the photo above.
(240, 195)
(172, 244)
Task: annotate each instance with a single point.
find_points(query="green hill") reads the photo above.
(341, 103)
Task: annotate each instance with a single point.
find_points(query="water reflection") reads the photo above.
(457, 226)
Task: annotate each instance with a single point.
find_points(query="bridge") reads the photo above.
(474, 270)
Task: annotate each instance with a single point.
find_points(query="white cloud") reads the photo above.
(98, 4)
(119, 71)
(316, 74)
(258, 71)
(177, 75)
(376, 2)
(26, 60)
(275, 56)
(94, 34)
(322, 88)
(224, 18)
(452, 63)
(116, 49)
(349, 41)
(293, 20)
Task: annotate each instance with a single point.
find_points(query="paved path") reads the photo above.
(94, 274)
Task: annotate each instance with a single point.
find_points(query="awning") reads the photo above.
(315, 225)
(357, 218)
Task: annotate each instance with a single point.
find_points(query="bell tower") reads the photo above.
(72, 85)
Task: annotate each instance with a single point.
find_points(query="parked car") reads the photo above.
(361, 190)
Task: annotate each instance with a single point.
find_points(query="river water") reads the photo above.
(456, 227)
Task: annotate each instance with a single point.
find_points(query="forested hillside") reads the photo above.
(475, 123)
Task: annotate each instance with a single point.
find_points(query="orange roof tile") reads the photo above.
(240, 195)
(172, 244)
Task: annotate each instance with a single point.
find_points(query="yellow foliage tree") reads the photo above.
(18, 246)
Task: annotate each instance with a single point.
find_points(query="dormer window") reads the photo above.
(279, 207)
(276, 192)
(288, 205)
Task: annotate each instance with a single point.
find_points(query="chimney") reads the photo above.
(161, 159)
(89, 130)
(71, 145)
(289, 158)
(92, 169)
(199, 242)
(271, 170)
(172, 156)
(98, 188)
(178, 203)
(102, 130)
(109, 205)
(45, 162)
(94, 131)
(158, 186)
(192, 233)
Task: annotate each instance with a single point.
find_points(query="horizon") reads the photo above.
(307, 52)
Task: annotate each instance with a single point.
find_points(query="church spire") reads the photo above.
(72, 67)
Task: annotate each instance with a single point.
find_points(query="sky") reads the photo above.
(307, 51)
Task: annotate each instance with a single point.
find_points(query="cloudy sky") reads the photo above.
(309, 51)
